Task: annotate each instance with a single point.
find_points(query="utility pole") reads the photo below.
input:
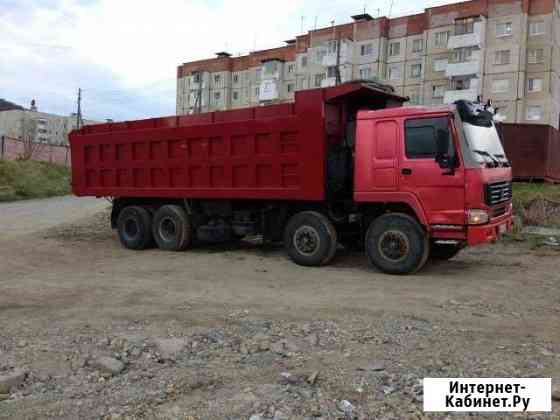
(336, 39)
(79, 113)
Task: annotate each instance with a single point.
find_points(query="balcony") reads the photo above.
(473, 39)
(328, 82)
(455, 95)
(463, 69)
(268, 90)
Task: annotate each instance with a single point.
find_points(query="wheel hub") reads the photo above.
(306, 240)
(394, 245)
(131, 228)
(167, 229)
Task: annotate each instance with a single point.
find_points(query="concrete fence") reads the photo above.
(12, 149)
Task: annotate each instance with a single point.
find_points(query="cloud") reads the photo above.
(124, 53)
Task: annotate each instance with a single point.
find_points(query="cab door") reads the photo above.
(440, 191)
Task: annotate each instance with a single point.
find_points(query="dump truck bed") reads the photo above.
(269, 152)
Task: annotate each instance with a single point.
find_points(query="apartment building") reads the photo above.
(42, 127)
(504, 50)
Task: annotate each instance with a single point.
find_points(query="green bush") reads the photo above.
(31, 179)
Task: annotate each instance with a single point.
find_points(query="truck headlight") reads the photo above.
(477, 216)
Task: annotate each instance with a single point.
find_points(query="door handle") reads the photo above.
(406, 171)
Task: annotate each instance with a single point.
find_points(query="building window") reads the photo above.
(217, 78)
(536, 28)
(258, 73)
(421, 137)
(365, 73)
(440, 64)
(414, 99)
(319, 55)
(438, 91)
(462, 55)
(503, 29)
(332, 47)
(291, 68)
(257, 91)
(270, 68)
(235, 95)
(318, 79)
(303, 61)
(464, 26)
(535, 56)
(461, 84)
(416, 70)
(235, 78)
(534, 85)
(394, 73)
(217, 96)
(535, 112)
(417, 45)
(502, 57)
(290, 87)
(394, 49)
(196, 77)
(441, 39)
(500, 86)
(331, 71)
(366, 49)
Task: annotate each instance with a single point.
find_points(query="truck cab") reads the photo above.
(446, 164)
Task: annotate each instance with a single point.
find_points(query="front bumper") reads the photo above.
(491, 232)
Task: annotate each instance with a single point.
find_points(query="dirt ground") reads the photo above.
(239, 332)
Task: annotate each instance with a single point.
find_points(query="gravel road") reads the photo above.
(91, 330)
(21, 217)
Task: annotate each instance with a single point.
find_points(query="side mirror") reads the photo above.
(442, 150)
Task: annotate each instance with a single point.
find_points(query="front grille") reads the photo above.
(499, 211)
(498, 192)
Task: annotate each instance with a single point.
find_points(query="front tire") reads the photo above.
(310, 239)
(172, 228)
(134, 226)
(397, 244)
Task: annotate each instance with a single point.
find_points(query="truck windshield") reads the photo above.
(485, 143)
(481, 134)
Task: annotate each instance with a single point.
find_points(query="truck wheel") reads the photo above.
(134, 226)
(444, 251)
(397, 244)
(310, 239)
(172, 228)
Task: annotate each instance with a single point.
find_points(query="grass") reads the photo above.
(20, 180)
(524, 193)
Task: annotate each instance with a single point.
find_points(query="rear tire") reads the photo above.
(134, 226)
(444, 252)
(310, 239)
(172, 228)
(397, 244)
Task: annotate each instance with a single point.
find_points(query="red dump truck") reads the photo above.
(341, 165)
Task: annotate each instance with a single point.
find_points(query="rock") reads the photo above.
(311, 379)
(169, 348)
(346, 407)
(376, 366)
(279, 415)
(12, 380)
(277, 347)
(4, 397)
(107, 365)
(556, 393)
(255, 417)
(289, 378)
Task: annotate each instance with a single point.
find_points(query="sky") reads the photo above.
(124, 54)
